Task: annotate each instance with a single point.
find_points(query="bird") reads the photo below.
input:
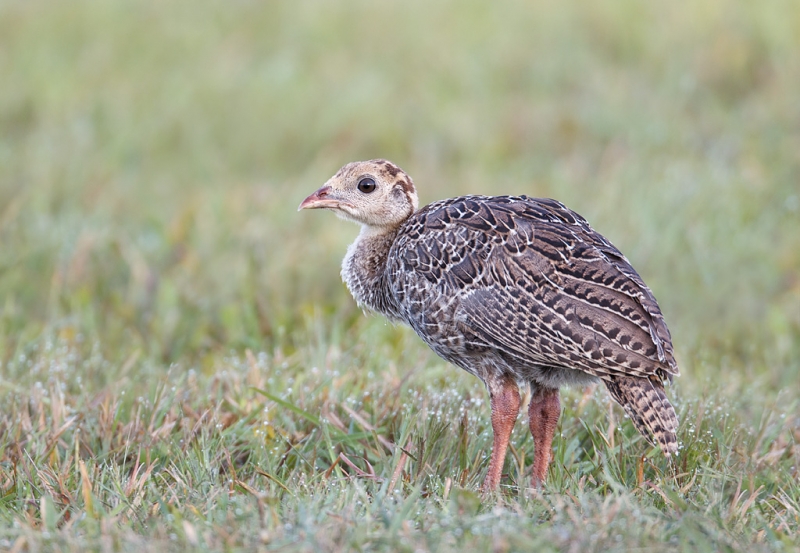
(514, 290)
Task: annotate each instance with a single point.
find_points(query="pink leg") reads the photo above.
(543, 412)
(505, 408)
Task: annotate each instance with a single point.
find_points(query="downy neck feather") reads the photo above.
(364, 270)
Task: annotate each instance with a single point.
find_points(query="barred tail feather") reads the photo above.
(647, 405)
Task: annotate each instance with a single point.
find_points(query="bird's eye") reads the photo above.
(366, 185)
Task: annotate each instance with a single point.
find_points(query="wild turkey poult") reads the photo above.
(511, 289)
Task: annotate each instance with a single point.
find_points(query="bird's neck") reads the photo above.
(364, 270)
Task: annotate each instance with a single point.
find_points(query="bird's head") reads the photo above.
(375, 193)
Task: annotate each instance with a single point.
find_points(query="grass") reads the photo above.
(181, 368)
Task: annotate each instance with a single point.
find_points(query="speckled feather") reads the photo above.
(523, 288)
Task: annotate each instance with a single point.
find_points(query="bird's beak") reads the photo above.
(321, 199)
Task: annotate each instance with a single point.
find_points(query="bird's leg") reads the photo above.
(543, 412)
(505, 408)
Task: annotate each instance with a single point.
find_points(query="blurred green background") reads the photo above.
(181, 366)
(152, 155)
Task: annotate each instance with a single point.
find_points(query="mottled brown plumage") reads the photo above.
(511, 289)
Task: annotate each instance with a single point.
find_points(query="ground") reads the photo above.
(182, 368)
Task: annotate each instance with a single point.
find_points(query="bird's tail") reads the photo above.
(647, 405)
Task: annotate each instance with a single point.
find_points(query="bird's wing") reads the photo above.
(533, 279)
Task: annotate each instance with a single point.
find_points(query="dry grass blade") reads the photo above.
(86, 490)
(360, 420)
(401, 464)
